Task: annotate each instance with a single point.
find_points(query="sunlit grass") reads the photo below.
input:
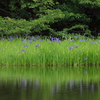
(33, 52)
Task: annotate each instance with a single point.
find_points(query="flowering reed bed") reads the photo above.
(38, 52)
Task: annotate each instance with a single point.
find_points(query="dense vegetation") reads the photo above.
(35, 51)
(49, 17)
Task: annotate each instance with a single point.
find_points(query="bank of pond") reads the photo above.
(33, 51)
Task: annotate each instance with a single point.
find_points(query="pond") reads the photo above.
(54, 83)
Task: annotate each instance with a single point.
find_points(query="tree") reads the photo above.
(49, 17)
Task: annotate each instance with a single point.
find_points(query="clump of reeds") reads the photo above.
(53, 52)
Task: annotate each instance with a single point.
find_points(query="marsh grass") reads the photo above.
(37, 52)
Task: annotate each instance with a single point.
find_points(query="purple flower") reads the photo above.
(81, 40)
(85, 72)
(92, 42)
(85, 33)
(30, 41)
(96, 42)
(37, 45)
(26, 34)
(76, 46)
(22, 39)
(11, 39)
(40, 39)
(10, 55)
(35, 39)
(70, 48)
(63, 35)
(23, 50)
(98, 33)
(87, 39)
(57, 39)
(29, 38)
(25, 45)
(73, 33)
(79, 33)
(52, 39)
(75, 36)
(85, 58)
(92, 35)
(72, 39)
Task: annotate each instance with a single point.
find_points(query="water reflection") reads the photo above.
(49, 84)
(35, 90)
(74, 90)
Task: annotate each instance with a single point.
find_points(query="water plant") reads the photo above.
(44, 52)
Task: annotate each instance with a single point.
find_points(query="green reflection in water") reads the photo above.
(51, 75)
(54, 83)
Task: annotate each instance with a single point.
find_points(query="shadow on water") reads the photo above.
(49, 83)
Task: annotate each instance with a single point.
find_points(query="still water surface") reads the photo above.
(49, 83)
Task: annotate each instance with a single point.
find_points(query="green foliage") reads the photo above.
(22, 26)
(49, 17)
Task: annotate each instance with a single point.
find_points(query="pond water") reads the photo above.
(49, 83)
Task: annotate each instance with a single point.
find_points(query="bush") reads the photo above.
(49, 17)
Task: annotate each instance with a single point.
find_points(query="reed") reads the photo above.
(38, 52)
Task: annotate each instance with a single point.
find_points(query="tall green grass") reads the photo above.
(80, 52)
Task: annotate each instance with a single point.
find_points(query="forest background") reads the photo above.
(49, 17)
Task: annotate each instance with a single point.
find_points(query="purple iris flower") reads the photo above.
(81, 40)
(37, 45)
(98, 33)
(72, 39)
(23, 50)
(40, 39)
(84, 33)
(35, 39)
(76, 46)
(25, 45)
(29, 38)
(63, 35)
(22, 39)
(87, 39)
(85, 72)
(11, 39)
(54, 39)
(70, 48)
(57, 39)
(30, 41)
(26, 34)
(94, 43)
(85, 58)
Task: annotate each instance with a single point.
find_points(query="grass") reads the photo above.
(38, 52)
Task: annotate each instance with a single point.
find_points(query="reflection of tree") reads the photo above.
(35, 90)
(24, 90)
(77, 91)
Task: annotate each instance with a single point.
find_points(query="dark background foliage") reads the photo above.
(49, 17)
